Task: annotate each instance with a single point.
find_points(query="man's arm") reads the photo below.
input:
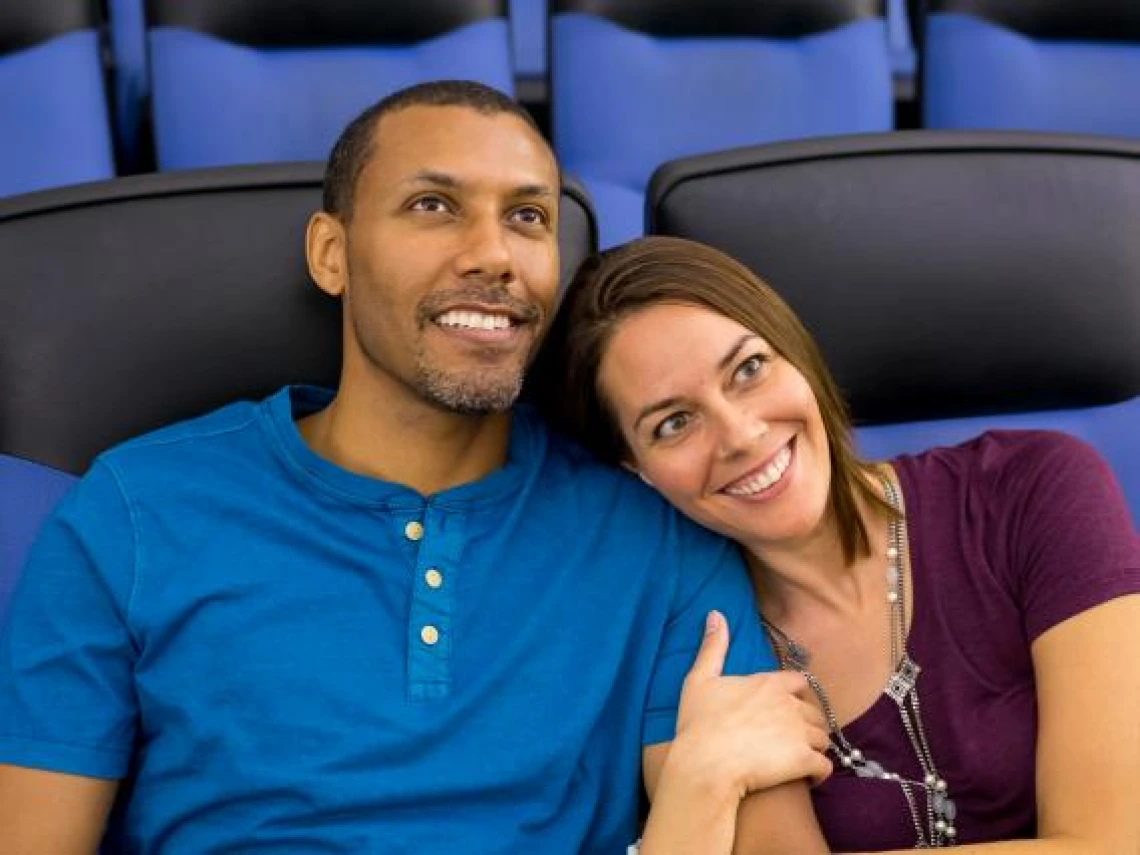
(49, 813)
(67, 699)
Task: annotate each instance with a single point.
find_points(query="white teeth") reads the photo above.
(766, 477)
(473, 320)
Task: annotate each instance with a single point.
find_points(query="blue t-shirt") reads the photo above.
(283, 656)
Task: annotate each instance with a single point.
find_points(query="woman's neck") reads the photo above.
(813, 573)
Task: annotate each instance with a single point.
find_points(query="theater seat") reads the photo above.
(1045, 65)
(955, 281)
(28, 492)
(252, 81)
(52, 100)
(636, 83)
(133, 303)
(127, 32)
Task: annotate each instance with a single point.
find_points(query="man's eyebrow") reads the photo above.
(428, 176)
(443, 179)
(532, 190)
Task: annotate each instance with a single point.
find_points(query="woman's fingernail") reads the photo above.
(712, 623)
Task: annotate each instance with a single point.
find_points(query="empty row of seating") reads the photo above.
(633, 83)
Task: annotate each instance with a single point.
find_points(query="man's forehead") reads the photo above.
(463, 143)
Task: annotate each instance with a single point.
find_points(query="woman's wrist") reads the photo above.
(709, 777)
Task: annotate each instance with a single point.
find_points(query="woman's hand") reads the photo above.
(736, 736)
(750, 733)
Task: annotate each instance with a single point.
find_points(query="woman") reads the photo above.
(991, 588)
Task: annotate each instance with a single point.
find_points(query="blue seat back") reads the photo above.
(258, 81)
(634, 84)
(955, 281)
(52, 98)
(529, 30)
(127, 31)
(28, 492)
(1045, 66)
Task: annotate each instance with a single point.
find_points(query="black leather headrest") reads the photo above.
(25, 24)
(131, 304)
(693, 18)
(306, 23)
(1073, 20)
(943, 274)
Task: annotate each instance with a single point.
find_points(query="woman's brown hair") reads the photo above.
(612, 285)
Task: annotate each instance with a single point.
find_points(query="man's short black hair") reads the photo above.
(352, 151)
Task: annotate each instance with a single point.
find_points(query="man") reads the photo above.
(397, 619)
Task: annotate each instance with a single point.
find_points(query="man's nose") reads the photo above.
(486, 252)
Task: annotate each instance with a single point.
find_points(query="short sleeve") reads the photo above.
(713, 576)
(67, 701)
(1071, 539)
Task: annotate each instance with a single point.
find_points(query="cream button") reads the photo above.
(433, 578)
(429, 635)
(414, 530)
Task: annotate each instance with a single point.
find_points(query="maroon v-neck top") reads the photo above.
(1010, 534)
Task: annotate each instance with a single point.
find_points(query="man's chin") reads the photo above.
(467, 396)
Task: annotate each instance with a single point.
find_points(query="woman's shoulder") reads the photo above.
(1009, 458)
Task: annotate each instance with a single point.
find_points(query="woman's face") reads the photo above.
(726, 429)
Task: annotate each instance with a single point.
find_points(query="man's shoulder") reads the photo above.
(619, 498)
(573, 466)
(166, 449)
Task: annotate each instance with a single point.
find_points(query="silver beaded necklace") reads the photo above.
(932, 811)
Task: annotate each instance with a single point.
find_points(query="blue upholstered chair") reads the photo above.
(127, 37)
(955, 281)
(28, 492)
(56, 126)
(528, 37)
(635, 83)
(246, 81)
(1044, 65)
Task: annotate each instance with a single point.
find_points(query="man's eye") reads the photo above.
(530, 216)
(749, 368)
(430, 204)
(671, 426)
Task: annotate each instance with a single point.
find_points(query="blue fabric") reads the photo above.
(624, 103)
(217, 103)
(528, 37)
(979, 75)
(904, 56)
(56, 124)
(28, 492)
(1112, 430)
(248, 617)
(128, 53)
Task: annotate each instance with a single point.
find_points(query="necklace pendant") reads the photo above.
(902, 682)
(798, 656)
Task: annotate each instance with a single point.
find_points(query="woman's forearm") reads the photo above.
(693, 812)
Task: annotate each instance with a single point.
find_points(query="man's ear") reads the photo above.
(326, 250)
(629, 467)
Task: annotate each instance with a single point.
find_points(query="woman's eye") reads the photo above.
(750, 367)
(671, 426)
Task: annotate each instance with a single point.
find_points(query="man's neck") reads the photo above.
(391, 435)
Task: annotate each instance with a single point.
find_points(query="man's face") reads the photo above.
(452, 254)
